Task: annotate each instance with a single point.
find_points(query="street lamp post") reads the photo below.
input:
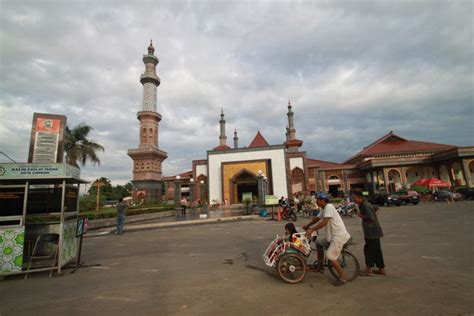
(202, 193)
(260, 192)
(265, 186)
(192, 185)
(177, 190)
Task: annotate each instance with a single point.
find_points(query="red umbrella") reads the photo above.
(431, 182)
(420, 183)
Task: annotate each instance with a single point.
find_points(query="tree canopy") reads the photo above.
(78, 148)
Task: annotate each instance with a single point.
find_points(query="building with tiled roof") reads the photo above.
(387, 164)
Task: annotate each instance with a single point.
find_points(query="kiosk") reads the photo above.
(37, 199)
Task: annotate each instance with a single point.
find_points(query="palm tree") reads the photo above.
(78, 148)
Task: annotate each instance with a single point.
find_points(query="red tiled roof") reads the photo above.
(224, 147)
(258, 141)
(325, 164)
(184, 175)
(391, 143)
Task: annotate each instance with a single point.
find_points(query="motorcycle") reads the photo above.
(287, 213)
(346, 209)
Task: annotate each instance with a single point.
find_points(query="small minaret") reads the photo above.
(236, 139)
(291, 124)
(292, 143)
(222, 137)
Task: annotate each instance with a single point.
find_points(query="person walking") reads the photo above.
(372, 234)
(184, 204)
(121, 208)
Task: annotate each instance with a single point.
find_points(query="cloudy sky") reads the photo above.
(353, 70)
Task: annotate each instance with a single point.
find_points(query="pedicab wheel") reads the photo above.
(291, 268)
(284, 215)
(349, 264)
(293, 217)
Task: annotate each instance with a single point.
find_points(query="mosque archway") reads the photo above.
(444, 173)
(412, 175)
(470, 167)
(334, 185)
(394, 180)
(243, 182)
(458, 174)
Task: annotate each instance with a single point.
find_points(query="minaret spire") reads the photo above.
(291, 125)
(292, 143)
(151, 49)
(236, 139)
(222, 136)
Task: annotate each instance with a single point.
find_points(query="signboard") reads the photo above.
(247, 196)
(47, 138)
(70, 203)
(27, 170)
(11, 201)
(271, 200)
(82, 225)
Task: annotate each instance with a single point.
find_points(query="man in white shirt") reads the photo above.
(336, 233)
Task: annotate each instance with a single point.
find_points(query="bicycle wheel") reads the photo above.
(291, 268)
(284, 215)
(293, 217)
(349, 264)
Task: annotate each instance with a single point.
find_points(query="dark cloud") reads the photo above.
(353, 69)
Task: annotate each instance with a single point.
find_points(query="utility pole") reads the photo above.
(98, 184)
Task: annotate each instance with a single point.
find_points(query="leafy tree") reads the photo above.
(109, 192)
(106, 189)
(79, 149)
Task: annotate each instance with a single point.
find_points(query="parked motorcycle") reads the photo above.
(346, 209)
(287, 213)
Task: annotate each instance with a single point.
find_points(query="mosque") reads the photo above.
(388, 164)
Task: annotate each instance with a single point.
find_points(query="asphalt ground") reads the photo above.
(217, 269)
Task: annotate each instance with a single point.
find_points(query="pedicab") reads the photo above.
(293, 259)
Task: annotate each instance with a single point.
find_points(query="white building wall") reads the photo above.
(201, 169)
(278, 168)
(296, 162)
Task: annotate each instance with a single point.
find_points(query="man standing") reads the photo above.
(372, 234)
(336, 233)
(184, 204)
(121, 207)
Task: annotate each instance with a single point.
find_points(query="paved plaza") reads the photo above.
(217, 269)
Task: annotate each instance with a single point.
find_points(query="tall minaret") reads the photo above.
(292, 143)
(222, 136)
(147, 159)
(236, 139)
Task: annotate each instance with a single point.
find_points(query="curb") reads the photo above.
(194, 222)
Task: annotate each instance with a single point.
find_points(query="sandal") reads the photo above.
(364, 274)
(340, 282)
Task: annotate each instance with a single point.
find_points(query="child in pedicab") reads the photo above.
(290, 230)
